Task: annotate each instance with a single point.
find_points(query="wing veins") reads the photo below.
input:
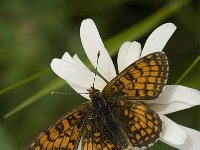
(144, 128)
(127, 125)
(139, 82)
(147, 71)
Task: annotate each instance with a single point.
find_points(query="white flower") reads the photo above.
(172, 99)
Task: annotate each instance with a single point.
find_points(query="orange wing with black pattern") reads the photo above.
(142, 80)
(141, 125)
(96, 136)
(65, 133)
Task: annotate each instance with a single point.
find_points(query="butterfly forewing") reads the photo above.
(65, 133)
(141, 125)
(142, 80)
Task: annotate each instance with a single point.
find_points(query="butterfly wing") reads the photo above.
(65, 133)
(141, 125)
(144, 79)
(96, 136)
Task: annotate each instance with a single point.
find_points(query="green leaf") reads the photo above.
(132, 33)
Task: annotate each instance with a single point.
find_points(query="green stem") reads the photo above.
(47, 89)
(24, 81)
(140, 29)
(188, 70)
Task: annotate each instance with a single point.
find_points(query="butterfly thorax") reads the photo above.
(100, 106)
(97, 102)
(101, 109)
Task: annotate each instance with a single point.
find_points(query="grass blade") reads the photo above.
(188, 70)
(24, 81)
(55, 84)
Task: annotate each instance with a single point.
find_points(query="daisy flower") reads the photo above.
(173, 98)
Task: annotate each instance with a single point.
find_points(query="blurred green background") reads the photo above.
(34, 32)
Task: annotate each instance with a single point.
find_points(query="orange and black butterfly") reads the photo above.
(114, 119)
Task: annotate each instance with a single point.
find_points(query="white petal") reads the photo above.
(80, 90)
(180, 93)
(93, 44)
(80, 145)
(175, 98)
(76, 75)
(75, 60)
(170, 108)
(121, 61)
(128, 53)
(67, 57)
(193, 141)
(172, 133)
(135, 148)
(158, 38)
(79, 62)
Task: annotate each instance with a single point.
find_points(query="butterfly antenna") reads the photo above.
(64, 93)
(98, 55)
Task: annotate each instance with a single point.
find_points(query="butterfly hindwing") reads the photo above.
(65, 133)
(141, 125)
(142, 80)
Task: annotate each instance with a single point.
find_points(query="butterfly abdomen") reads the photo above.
(101, 111)
(115, 130)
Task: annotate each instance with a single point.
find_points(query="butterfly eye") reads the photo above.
(97, 91)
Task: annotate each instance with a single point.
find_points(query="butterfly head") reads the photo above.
(94, 93)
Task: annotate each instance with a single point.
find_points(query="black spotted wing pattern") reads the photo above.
(141, 125)
(142, 80)
(65, 133)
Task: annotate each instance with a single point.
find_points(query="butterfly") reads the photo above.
(116, 118)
